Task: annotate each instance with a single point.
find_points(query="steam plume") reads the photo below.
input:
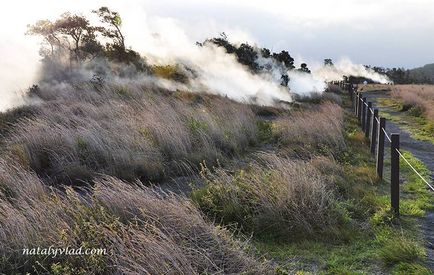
(346, 67)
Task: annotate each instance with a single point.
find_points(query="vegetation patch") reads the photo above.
(414, 104)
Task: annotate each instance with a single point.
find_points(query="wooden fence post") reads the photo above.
(380, 148)
(374, 131)
(368, 120)
(356, 103)
(359, 111)
(356, 96)
(394, 176)
(364, 114)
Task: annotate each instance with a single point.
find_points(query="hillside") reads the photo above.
(213, 158)
(423, 74)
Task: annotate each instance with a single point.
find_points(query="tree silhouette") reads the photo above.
(247, 55)
(285, 58)
(77, 29)
(47, 30)
(328, 62)
(304, 68)
(71, 32)
(114, 22)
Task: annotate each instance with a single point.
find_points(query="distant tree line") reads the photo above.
(402, 75)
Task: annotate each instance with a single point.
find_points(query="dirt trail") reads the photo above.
(423, 150)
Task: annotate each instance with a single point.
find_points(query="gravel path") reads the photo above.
(424, 151)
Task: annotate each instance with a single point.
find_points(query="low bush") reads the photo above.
(274, 195)
(419, 99)
(401, 250)
(173, 72)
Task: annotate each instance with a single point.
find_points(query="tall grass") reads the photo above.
(419, 97)
(320, 128)
(129, 131)
(274, 195)
(143, 230)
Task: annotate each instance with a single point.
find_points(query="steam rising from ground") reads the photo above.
(163, 41)
(217, 71)
(346, 67)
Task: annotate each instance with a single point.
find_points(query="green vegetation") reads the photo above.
(83, 169)
(361, 235)
(412, 119)
(301, 183)
(417, 195)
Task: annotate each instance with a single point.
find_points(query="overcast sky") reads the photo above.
(383, 32)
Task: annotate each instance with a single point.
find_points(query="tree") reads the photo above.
(47, 30)
(284, 80)
(71, 32)
(77, 28)
(285, 58)
(304, 68)
(222, 41)
(247, 55)
(265, 53)
(328, 62)
(114, 22)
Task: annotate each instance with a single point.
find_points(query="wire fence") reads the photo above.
(390, 140)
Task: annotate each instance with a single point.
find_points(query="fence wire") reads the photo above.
(411, 166)
(400, 154)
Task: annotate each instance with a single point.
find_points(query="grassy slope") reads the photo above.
(417, 125)
(364, 240)
(377, 243)
(413, 119)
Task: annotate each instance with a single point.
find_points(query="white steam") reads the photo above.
(168, 43)
(305, 84)
(346, 67)
(164, 41)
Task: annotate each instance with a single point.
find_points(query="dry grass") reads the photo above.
(374, 87)
(144, 231)
(274, 195)
(129, 131)
(320, 128)
(416, 96)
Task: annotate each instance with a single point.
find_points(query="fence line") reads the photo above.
(411, 166)
(363, 110)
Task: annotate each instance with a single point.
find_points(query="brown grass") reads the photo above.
(320, 128)
(416, 96)
(129, 131)
(144, 230)
(374, 87)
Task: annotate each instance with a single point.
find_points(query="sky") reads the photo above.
(390, 33)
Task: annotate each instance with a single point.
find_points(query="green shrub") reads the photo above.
(411, 269)
(397, 250)
(265, 130)
(274, 195)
